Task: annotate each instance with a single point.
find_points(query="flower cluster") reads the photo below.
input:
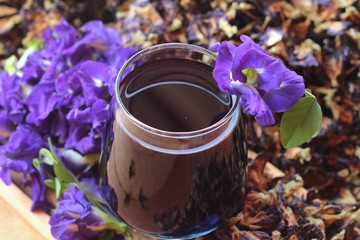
(60, 92)
(263, 82)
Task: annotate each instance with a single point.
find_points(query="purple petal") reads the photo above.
(15, 107)
(85, 40)
(100, 112)
(284, 97)
(267, 66)
(224, 62)
(68, 82)
(33, 68)
(109, 41)
(247, 39)
(62, 36)
(102, 36)
(25, 142)
(116, 55)
(68, 87)
(83, 139)
(40, 103)
(39, 190)
(98, 72)
(95, 77)
(59, 126)
(78, 116)
(6, 125)
(11, 97)
(215, 47)
(272, 75)
(253, 104)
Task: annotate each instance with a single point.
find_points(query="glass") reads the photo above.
(174, 158)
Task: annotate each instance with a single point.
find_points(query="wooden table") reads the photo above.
(16, 219)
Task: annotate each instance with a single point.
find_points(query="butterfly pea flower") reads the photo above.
(24, 143)
(97, 80)
(16, 154)
(74, 217)
(63, 40)
(109, 42)
(263, 83)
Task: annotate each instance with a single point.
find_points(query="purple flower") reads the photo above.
(97, 81)
(108, 41)
(17, 154)
(74, 217)
(33, 68)
(62, 40)
(24, 143)
(61, 37)
(262, 82)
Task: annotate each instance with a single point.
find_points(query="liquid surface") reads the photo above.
(162, 193)
(175, 96)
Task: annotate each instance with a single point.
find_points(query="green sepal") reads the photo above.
(47, 157)
(58, 187)
(36, 163)
(50, 183)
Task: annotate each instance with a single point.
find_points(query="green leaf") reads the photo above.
(64, 174)
(301, 122)
(50, 183)
(60, 170)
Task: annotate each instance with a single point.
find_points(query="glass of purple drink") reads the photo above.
(174, 157)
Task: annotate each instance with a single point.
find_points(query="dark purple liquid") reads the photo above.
(164, 192)
(175, 96)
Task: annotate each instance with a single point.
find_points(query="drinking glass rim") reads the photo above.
(157, 131)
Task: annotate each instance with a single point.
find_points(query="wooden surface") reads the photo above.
(16, 219)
